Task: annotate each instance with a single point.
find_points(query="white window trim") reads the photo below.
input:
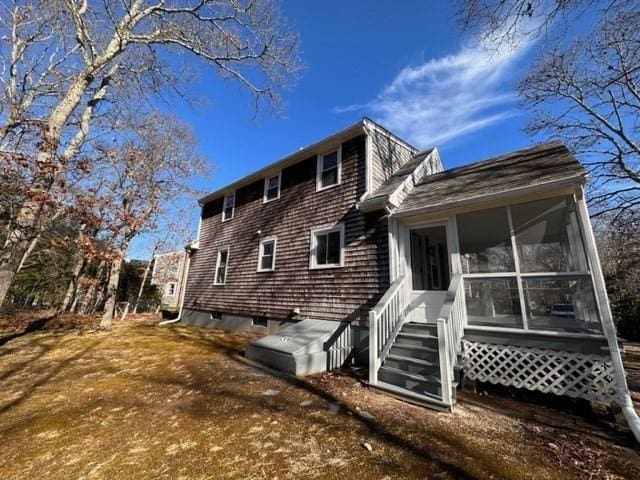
(261, 252)
(320, 157)
(168, 289)
(224, 203)
(266, 187)
(312, 246)
(226, 270)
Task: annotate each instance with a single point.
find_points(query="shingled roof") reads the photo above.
(545, 163)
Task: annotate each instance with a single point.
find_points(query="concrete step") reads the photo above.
(413, 365)
(413, 382)
(420, 328)
(417, 339)
(414, 351)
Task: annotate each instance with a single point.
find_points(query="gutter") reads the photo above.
(284, 161)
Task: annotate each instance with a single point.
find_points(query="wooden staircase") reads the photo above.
(416, 361)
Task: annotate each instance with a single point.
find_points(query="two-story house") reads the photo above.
(362, 248)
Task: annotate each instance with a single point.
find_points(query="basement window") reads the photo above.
(221, 266)
(327, 245)
(259, 321)
(329, 169)
(229, 206)
(272, 188)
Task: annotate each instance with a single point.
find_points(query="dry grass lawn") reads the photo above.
(175, 402)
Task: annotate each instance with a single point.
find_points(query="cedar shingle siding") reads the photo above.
(337, 294)
(389, 154)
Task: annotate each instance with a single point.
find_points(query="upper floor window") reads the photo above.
(327, 247)
(329, 169)
(221, 266)
(229, 206)
(272, 188)
(171, 289)
(267, 255)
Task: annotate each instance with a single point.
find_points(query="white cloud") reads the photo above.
(448, 97)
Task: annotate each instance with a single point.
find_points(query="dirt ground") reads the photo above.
(175, 402)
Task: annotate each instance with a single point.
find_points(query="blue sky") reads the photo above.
(404, 64)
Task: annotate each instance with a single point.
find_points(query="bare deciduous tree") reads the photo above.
(585, 91)
(134, 180)
(66, 57)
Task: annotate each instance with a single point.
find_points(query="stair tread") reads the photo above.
(417, 361)
(414, 376)
(416, 347)
(416, 335)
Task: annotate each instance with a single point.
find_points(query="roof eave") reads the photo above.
(283, 162)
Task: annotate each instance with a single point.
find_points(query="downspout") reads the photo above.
(623, 398)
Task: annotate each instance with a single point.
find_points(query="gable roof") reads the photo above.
(546, 163)
(394, 181)
(301, 154)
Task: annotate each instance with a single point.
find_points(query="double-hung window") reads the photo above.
(267, 255)
(229, 206)
(329, 169)
(327, 247)
(272, 188)
(171, 289)
(221, 266)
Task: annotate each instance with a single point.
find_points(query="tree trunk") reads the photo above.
(144, 280)
(74, 304)
(87, 298)
(30, 213)
(73, 283)
(112, 290)
(32, 244)
(14, 251)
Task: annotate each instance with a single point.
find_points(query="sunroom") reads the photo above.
(524, 268)
(495, 277)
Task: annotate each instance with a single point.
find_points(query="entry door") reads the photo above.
(429, 272)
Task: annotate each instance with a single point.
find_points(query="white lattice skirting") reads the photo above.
(551, 371)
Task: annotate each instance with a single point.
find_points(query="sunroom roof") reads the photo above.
(546, 163)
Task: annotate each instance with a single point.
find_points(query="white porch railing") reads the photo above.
(451, 323)
(385, 321)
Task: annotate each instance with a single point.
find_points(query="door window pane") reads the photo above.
(485, 241)
(493, 302)
(547, 236)
(429, 258)
(566, 304)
